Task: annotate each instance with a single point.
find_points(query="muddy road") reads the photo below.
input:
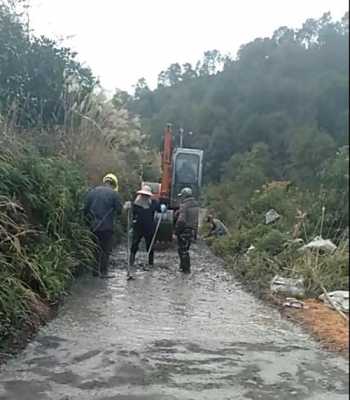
(169, 336)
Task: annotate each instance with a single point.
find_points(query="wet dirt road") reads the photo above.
(168, 336)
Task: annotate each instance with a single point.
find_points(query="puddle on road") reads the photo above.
(171, 336)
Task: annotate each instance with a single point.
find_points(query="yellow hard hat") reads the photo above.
(111, 178)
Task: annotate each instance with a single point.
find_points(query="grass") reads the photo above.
(276, 251)
(43, 238)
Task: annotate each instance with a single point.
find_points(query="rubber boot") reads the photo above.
(104, 270)
(151, 259)
(181, 264)
(130, 275)
(186, 265)
(132, 259)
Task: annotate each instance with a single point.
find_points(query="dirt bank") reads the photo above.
(323, 323)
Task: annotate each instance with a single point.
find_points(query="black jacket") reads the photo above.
(143, 218)
(102, 204)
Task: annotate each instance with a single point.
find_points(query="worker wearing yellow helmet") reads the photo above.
(112, 180)
(102, 204)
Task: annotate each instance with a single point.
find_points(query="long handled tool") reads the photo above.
(154, 236)
(129, 275)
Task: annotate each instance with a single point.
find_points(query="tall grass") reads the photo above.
(304, 214)
(43, 238)
(44, 173)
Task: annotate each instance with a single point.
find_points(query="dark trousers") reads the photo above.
(184, 240)
(104, 241)
(137, 236)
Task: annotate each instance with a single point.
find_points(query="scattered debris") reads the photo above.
(328, 298)
(325, 324)
(340, 299)
(271, 216)
(320, 244)
(288, 286)
(250, 249)
(294, 303)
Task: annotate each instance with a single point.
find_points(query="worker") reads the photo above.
(102, 204)
(143, 211)
(217, 228)
(185, 227)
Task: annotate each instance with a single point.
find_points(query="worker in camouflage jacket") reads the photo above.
(186, 226)
(217, 227)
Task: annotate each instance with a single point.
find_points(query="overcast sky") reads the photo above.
(124, 40)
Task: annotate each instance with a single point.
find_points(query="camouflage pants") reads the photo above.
(184, 240)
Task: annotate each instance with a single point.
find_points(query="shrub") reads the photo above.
(43, 238)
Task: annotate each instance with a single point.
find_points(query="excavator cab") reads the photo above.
(181, 167)
(186, 172)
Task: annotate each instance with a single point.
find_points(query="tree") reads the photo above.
(248, 171)
(36, 74)
(141, 89)
(174, 74)
(121, 98)
(188, 72)
(310, 149)
(212, 62)
(275, 87)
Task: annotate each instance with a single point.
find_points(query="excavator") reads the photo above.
(180, 167)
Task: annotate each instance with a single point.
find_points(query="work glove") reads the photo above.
(163, 208)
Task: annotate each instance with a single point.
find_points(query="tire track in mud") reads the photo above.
(171, 336)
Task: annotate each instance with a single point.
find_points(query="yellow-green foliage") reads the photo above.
(43, 238)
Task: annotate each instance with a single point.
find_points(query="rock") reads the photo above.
(340, 299)
(321, 244)
(288, 286)
(271, 216)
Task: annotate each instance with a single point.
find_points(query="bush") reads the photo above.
(302, 217)
(271, 243)
(331, 270)
(43, 238)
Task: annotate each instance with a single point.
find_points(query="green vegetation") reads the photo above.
(58, 135)
(43, 240)
(273, 122)
(276, 247)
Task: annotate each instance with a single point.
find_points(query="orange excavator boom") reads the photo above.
(165, 188)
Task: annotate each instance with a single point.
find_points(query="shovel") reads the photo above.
(129, 275)
(154, 236)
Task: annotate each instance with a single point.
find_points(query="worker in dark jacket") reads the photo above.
(186, 226)
(143, 211)
(102, 204)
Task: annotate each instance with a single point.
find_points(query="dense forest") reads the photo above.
(273, 123)
(288, 92)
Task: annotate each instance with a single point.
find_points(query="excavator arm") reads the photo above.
(167, 154)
